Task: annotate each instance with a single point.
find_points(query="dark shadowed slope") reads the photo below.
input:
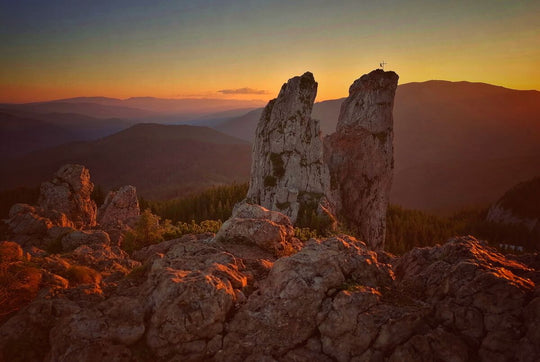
(22, 132)
(462, 143)
(243, 126)
(456, 143)
(161, 161)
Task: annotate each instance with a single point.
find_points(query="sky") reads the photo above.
(246, 49)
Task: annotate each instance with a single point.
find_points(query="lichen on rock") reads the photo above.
(287, 153)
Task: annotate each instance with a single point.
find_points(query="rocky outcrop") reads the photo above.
(69, 193)
(348, 175)
(486, 300)
(119, 213)
(360, 158)
(66, 213)
(288, 174)
(253, 224)
(33, 226)
(334, 300)
(292, 299)
(120, 208)
(73, 240)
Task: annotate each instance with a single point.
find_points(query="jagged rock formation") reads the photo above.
(352, 179)
(287, 172)
(66, 212)
(119, 212)
(334, 300)
(360, 157)
(69, 193)
(119, 208)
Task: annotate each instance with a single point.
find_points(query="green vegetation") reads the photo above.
(150, 230)
(405, 230)
(305, 234)
(213, 204)
(308, 217)
(147, 231)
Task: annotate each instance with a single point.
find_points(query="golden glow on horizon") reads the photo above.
(210, 50)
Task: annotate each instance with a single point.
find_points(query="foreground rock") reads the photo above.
(253, 224)
(292, 300)
(288, 174)
(334, 300)
(360, 156)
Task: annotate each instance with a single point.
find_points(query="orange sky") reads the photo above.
(62, 49)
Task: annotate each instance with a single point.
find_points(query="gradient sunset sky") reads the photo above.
(247, 49)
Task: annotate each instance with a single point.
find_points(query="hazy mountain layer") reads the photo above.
(161, 161)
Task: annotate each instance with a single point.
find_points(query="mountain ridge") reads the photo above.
(162, 161)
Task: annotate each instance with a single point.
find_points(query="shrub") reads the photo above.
(147, 231)
(183, 228)
(305, 234)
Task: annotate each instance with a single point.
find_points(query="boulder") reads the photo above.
(119, 209)
(190, 292)
(74, 239)
(253, 224)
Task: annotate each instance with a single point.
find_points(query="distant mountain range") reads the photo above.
(162, 161)
(456, 143)
(34, 126)
(139, 108)
(22, 132)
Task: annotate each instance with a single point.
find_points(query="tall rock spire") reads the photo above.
(287, 173)
(360, 157)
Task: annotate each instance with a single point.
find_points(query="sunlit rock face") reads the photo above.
(360, 156)
(287, 173)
